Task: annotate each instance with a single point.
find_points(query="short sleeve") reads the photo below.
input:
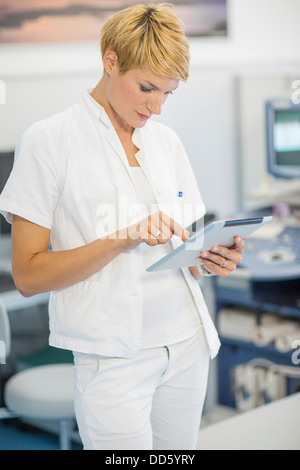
(32, 189)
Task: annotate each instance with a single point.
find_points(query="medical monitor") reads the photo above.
(6, 164)
(283, 138)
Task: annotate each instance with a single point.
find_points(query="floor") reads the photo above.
(219, 414)
(18, 436)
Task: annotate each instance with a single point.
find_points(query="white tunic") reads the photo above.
(70, 172)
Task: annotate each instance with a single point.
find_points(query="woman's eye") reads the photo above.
(146, 90)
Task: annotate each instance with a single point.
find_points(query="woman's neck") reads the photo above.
(99, 94)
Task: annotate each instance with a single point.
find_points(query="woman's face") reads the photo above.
(136, 95)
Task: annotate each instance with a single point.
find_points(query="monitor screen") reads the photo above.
(283, 138)
(6, 164)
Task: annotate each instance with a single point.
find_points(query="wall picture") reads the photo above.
(30, 21)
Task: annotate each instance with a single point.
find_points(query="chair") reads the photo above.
(43, 392)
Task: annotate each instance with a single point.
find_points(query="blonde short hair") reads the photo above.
(148, 37)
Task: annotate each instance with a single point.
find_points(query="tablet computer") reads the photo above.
(220, 233)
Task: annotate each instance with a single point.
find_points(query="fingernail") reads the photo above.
(215, 248)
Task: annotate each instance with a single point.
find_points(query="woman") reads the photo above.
(112, 191)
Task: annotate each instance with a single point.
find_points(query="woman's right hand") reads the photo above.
(37, 270)
(156, 229)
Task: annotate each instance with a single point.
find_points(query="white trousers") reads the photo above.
(152, 401)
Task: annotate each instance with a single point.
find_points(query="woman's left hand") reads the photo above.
(222, 261)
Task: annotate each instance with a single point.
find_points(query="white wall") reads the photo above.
(264, 38)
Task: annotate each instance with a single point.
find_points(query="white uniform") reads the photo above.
(68, 167)
(71, 174)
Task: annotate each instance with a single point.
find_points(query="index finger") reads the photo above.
(175, 227)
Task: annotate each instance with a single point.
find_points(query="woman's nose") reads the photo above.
(155, 105)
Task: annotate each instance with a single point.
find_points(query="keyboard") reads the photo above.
(274, 253)
(291, 237)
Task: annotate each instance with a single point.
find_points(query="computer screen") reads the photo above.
(6, 164)
(283, 138)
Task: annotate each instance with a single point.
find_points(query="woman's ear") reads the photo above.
(110, 61)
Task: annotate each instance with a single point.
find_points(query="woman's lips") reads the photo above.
(143, 117)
